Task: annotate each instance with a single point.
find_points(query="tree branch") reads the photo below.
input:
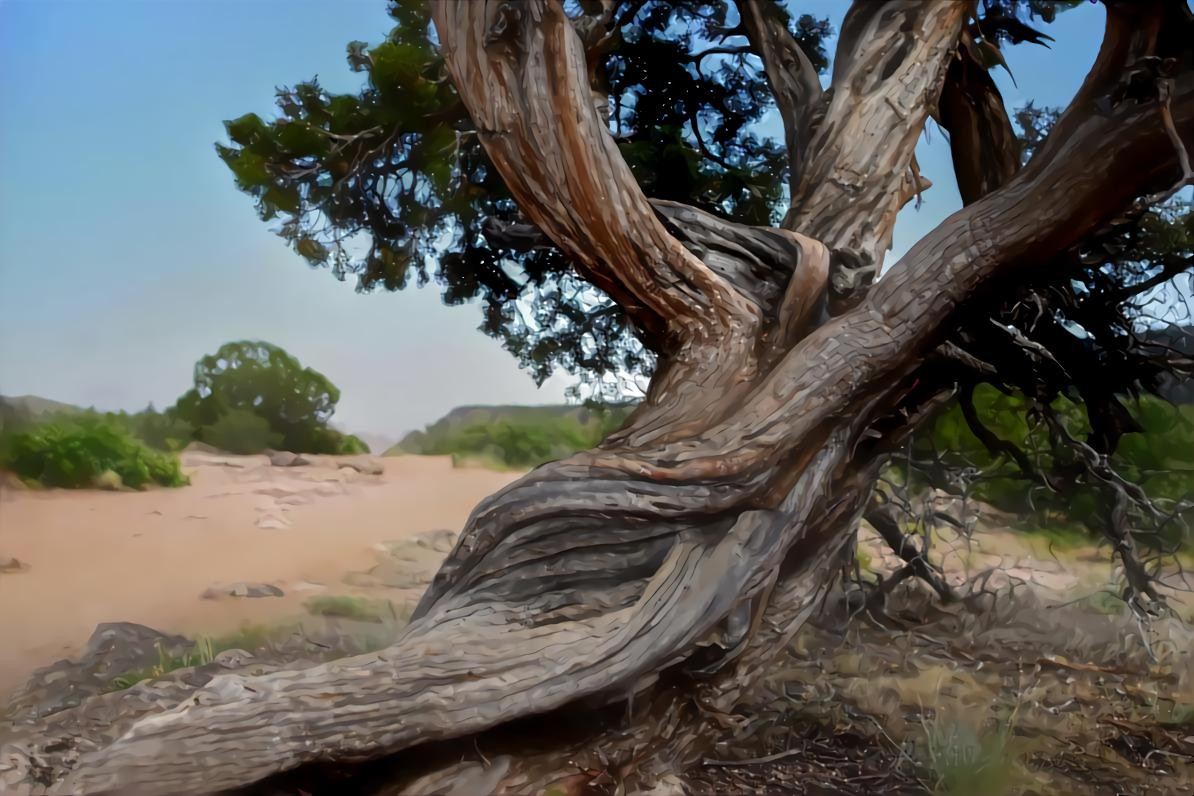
(521, 72)
(792, 76)
(981, 140)
(890, 63)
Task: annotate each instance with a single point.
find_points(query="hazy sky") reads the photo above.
(126, 252)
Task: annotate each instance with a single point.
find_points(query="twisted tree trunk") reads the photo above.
(668, 565)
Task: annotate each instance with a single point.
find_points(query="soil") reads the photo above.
(90, 557)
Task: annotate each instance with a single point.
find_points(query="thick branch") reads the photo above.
(981, 140)
(521, 72)
(890, 63)
(792, 76)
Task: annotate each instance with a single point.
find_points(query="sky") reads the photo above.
(126, 252)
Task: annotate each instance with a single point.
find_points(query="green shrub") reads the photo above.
(81, 451)
(357, 608)
(514, 437)
(351, 444)
(1160, 459)
(963, 759)
(238, 431)
(252, 378)
(160, 430)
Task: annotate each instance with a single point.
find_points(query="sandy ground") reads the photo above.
(147, 556)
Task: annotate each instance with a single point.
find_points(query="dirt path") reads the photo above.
(147, 556)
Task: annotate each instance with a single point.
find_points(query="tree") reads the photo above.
(629, 595)
(251, 395)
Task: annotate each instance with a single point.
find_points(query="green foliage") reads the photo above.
(356, 608)
(515, 437)
(82, 452)
(240, 431)
(159, 430)
(1160, 458)
(965, 760)
(203, 653)
(252, 395)
(391, 185)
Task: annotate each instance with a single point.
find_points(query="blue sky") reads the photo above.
(126, 253)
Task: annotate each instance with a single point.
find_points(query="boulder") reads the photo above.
(241, 589)
(114, 649)
(233, 658)
(10, 565)
(441, 540)
(286, 459)
(365, 465)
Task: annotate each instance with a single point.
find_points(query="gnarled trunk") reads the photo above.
(670, 563)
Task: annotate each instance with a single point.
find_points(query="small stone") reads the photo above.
(8, 564)
(286, 459)
(272, 522)
(241, 590)
(366, 465)
(109, 479)
(440, 540)
(233, 658)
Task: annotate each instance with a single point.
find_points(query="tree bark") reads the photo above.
(673, 561)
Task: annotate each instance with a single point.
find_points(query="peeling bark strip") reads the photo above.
(691, 545)
(890, 63)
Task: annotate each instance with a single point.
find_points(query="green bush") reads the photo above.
(238, 431)
(515, 437)
(248, 379)
(159, 430)
(1160, 459)
(79, 452)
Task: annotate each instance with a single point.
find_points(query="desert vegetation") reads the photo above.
(248, 397)
(514, 437)
(86, 451)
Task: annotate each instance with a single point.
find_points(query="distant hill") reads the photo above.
(513, 436)
(377, 442)
(18, 409)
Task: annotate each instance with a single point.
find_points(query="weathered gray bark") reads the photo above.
(695, 541)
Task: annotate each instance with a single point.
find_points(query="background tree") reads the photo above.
(658, 573)
(252, 395)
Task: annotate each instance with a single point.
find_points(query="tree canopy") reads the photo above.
(392, 186)
(251, 395)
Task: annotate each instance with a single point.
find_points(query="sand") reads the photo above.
(146, 557)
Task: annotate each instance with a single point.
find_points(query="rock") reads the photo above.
(109, 479)
(286, 459)
(305, 585)
(233, 658)
(440, 540)
(114, 649)
(366, 465)
(272, 522)
(11, 565)
(241, 589)
(13, 482)
(401, 574)
(274, 491)
(363, 579)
